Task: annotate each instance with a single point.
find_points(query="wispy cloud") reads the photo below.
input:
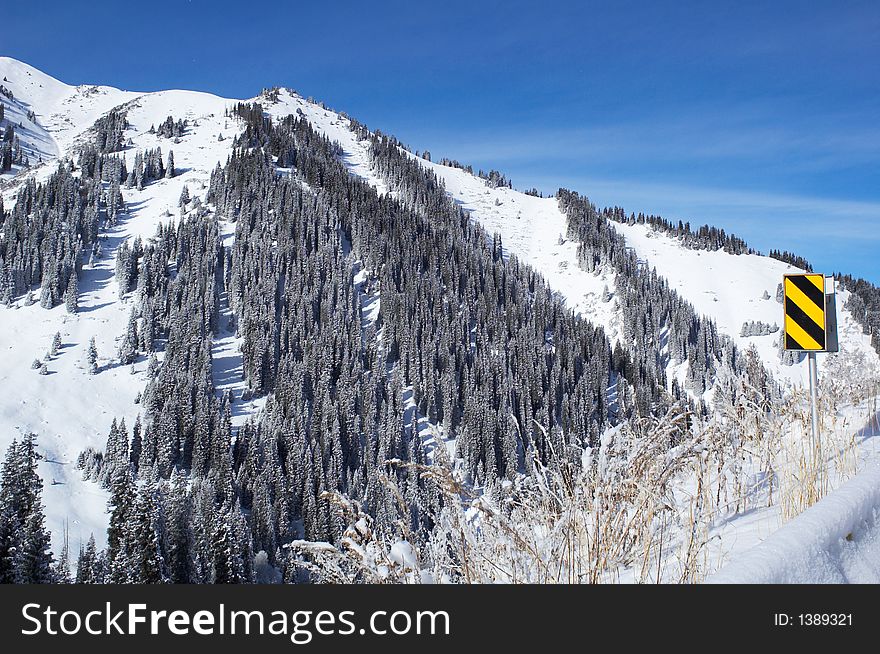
(738, 167)
(814, 217)
(680, 140)
(834, 234)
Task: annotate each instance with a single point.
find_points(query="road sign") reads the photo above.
(805, 312)
(811, 327)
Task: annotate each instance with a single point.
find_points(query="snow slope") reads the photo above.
(532, 228)
(332, 125)
(730, 289)
(63, 112)
(727, 288)
(837, 540)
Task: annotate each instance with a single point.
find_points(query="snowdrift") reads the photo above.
(837, 540)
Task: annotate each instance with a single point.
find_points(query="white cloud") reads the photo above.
(740, 211)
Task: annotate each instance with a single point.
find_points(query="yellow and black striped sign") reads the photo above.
(804, 312)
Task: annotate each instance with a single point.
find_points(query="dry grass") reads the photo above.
(640, 507)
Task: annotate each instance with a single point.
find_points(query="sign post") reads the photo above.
(814, 389)
(811, 327)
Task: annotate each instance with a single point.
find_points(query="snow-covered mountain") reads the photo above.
(727, 288)
(62, 112)
(71, 409)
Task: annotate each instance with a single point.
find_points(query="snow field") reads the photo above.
(837, 540)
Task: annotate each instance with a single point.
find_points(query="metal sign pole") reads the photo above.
(810, 326)
(814, 385)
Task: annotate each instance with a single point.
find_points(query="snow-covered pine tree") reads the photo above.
(90, 566)
(129, 345)
(92, 357)
(184, 197)
(25, 553)
(226, 561)
(71, 295)
(146, 560)
(62, 566)
(121, 505)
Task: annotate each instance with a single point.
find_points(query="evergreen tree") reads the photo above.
(90, 565)
(71, 295)
(226, 554)
(25, 551)
(62, 567)
(147, 561)
(184, 197)
(180, 537)
(136, 444)
(92, 357)
(128, 346)
(119, 551)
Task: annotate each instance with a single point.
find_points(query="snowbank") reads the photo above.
(837, 540)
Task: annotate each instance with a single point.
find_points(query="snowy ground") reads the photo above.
(837, 540)
(734, 539)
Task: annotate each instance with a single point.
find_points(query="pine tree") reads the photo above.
(153, 366)
(147, 563)
(56, 344)
(116, 454)
(34, 559)
(136, 444)
(89, 566)
(119, 558)
(25, 551)
(62, 567)
(92, 357)
(47, 289)
(71, 294)
(169, 167)
(10, 520)
(179, 535)
(226, 554)
(184, 197)
(128, 347)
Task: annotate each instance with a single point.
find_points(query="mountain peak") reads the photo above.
(28, 83)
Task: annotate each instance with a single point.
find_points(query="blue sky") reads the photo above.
(759, 117)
